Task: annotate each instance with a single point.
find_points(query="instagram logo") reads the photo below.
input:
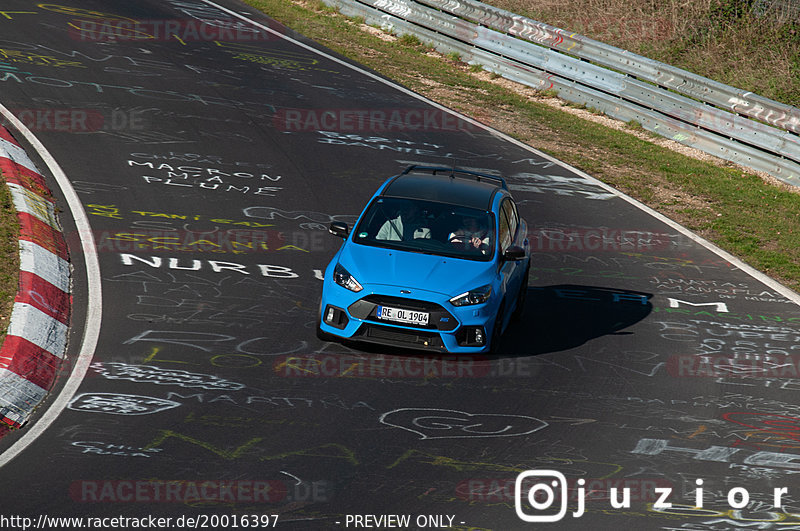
(540, 495)
(534, 494)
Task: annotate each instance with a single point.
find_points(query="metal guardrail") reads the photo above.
(721, 120)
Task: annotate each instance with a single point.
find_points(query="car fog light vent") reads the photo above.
(331, 314)
(479, 336)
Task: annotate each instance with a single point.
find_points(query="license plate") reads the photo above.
(403, 316)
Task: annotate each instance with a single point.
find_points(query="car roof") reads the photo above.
(446, 185)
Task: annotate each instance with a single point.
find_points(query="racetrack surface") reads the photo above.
(210, 168)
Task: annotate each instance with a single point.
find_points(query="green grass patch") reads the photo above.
(9, 255)
(409, 39)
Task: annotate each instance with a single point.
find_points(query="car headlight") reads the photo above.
(342, 277)
(474, 296)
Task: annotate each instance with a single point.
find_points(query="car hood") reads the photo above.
(390, 267)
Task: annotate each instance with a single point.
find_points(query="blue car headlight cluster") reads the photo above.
(343, 277)
(474, 296)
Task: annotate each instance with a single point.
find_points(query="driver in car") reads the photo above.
(471, 235)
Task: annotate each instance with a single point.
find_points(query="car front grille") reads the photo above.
(399, 336)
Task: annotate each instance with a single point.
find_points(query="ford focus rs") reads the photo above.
(438, 260)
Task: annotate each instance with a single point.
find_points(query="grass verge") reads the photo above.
(738, 211)
(9, 256)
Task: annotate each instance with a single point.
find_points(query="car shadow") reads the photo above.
(565, 316)
(554, 318)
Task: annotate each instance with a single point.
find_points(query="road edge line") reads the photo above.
(94, 308)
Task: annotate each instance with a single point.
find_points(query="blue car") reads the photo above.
(437, 261)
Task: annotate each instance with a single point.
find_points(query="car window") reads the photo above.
(427, 227)
(504, 231)
(511, 213)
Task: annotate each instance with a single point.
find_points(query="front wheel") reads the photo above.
(324, 336)
(497, 334)
(521, 296)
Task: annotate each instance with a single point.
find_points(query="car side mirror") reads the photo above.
(514, 252)
(339, 229)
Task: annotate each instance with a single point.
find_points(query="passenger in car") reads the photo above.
(408, 225)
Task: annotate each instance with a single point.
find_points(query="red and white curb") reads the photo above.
(37, 334)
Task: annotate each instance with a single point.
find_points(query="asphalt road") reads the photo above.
(211, 164)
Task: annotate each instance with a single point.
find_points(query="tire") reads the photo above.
(325, 336)
(521, 297)
(497, 334)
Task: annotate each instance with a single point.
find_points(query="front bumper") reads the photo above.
(353, 316)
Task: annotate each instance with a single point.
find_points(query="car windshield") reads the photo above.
(427, 227)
